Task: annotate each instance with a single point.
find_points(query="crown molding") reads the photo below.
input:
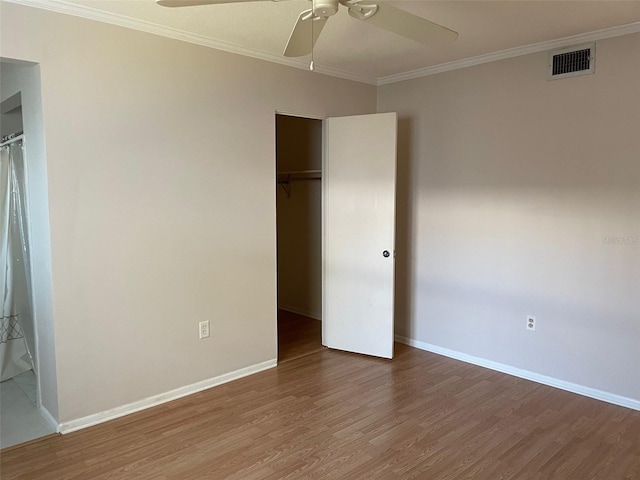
(513, 52)
(61, 6)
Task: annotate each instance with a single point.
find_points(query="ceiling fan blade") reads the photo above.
(300, 43)
(406, 24)
(191, 3)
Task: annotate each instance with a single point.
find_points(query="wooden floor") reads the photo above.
(336, 415)
(297, 336)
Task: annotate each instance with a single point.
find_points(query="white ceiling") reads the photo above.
(353, 49)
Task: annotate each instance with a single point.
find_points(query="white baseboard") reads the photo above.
(96, 418)
(526, 374)
(46, 414)
(300, 311)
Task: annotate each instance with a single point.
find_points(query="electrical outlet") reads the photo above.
(531, 323)
(204, 329)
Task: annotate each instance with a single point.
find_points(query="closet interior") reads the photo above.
(299, 235)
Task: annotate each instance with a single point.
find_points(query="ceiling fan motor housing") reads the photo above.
(325, 8)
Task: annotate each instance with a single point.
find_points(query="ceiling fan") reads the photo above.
(310, 22)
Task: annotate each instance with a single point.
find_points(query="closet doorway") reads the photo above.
(336, 233)
(28, 388)
(299, 235)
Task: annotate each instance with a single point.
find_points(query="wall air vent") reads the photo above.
(572, 61)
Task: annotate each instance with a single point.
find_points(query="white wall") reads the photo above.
(161, 173)
(515, 183)
(299, 148)
(25, 78)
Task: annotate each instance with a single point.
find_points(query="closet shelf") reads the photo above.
(286, 178)
(299, 175)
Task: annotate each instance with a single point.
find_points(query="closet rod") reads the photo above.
(301, 172)
(284, 177)
(293, 179)
(12, 140)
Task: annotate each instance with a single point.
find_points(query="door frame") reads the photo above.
(322, 213)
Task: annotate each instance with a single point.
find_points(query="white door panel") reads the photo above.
(359, 178)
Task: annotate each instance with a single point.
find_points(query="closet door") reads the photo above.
(359, 180)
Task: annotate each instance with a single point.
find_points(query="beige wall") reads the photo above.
(161, 181)
(161, 172)
(515, 183)
(299, 148)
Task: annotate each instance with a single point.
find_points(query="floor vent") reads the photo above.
(572, 61)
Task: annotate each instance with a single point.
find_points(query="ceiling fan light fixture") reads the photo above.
(326, 8)
(310, 23)
(362, 12)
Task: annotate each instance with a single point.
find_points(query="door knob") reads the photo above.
(386, 253)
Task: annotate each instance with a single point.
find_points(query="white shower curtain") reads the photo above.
(15, 287)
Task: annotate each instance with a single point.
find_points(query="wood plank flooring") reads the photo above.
(334, 415)
(298, 335)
